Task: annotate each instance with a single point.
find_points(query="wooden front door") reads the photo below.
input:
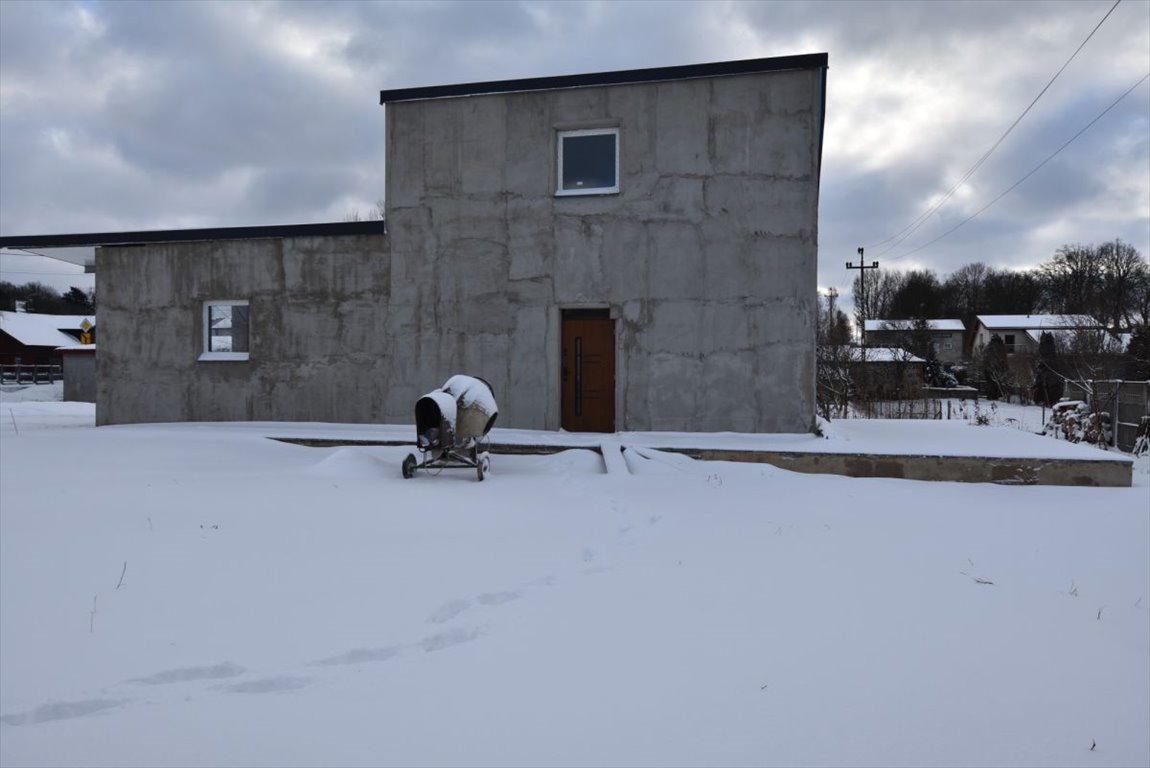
(588, 373)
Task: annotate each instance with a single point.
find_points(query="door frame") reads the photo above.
(556, 362)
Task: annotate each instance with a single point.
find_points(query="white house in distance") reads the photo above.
(946, 334)
(1022, 333)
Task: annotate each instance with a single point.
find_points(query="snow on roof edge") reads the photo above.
(935, 324)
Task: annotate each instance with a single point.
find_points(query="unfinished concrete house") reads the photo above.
(627, 250)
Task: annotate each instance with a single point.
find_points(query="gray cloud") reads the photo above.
(151, 115)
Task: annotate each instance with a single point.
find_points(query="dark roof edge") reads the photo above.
(620, 77)
(331, 229)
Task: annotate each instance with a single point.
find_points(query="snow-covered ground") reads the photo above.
(201, 595)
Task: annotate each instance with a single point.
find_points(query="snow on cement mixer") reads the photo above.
(451, 426)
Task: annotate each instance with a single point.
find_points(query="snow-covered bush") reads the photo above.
(1073, 420)
(938, 376)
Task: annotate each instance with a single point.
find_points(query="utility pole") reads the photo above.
(862, 267)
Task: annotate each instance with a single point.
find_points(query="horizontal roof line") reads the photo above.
(329, 229)
(619, 77)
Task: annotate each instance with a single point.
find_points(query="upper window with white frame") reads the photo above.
(588, 162)
(227, 330)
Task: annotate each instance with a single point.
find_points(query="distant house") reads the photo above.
(888, 373)
(946, 334)
(33, 339)
(1022, 333)
(877, 372)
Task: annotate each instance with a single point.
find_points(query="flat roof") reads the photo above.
(330, 229)
(940, 324)
(619, 77)
(1037, 321)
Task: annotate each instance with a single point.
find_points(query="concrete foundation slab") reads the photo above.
(1047, 462)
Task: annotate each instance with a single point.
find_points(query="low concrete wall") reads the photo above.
(955, 469)
(958, 469)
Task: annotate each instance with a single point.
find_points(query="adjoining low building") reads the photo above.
(945, 334)
(628, 250)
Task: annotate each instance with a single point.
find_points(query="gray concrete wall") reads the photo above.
(706, 257)
(79, 371)
(319, 352)
(953, 353)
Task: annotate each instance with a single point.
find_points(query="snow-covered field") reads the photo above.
(200, 595)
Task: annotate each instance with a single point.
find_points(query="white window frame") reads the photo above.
(559, 191)
(206, 355)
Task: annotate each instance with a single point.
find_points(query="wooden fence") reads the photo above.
(30, 374)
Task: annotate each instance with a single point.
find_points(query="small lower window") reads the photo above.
(227, 328)
(588, 162)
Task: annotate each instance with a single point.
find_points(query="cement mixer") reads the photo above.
(451, 427)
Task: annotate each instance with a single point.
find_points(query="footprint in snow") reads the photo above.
(589, 556)
(186, 674)
(359, 656)
(498, 598)
(269, 685)
(62, 710)
(448, 611)
(447, 639)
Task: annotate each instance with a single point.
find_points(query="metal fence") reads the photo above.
(923, 408)
(31, 374)
(1127, 402)
(901, 409)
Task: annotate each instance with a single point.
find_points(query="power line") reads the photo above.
(1033, 170)
(910, 229)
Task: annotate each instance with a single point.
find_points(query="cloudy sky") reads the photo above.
(137, 115)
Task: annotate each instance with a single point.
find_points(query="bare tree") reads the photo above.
(1092, 353)
(919, 295)
(995, 368)
(964, 290)
(874, 302)
(1071, 280)
(1125, 278)
(833, 357)
(378, 213)
(834, 325)
(1011, 292)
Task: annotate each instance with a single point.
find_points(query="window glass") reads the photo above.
(226, 330)
(588, 161)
